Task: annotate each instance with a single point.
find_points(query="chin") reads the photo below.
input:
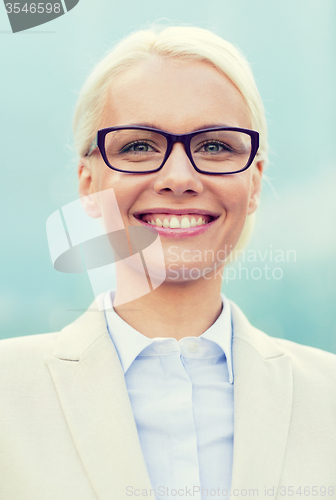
(182, 273)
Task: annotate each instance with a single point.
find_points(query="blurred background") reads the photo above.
(285, 283)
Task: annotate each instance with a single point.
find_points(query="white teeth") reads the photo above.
(185, 223)
(174, 223)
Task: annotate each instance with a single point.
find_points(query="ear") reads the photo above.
(86, 188)
(255, 187)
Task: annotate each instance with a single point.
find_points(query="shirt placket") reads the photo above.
(182, 426)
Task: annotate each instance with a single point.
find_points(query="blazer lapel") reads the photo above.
(262, 409)
(91, 388)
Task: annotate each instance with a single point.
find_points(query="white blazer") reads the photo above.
(67, 430)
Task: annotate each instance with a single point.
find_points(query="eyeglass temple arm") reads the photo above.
(93, 145)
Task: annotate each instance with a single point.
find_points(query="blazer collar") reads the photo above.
(91, 388)
(263, 392)
(77, 337)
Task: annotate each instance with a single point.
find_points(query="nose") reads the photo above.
(178, 176)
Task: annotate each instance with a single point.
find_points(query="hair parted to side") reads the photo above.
(189, 43)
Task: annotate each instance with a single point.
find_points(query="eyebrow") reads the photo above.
(203, 127)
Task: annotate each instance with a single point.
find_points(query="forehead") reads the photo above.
(174, 95)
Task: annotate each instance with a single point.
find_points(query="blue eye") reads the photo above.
(137, 147)
(214, 147)
(211, 147)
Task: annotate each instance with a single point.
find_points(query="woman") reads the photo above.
(172, 393)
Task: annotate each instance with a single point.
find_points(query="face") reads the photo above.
(178, 97)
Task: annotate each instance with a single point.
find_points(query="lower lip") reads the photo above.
(179, 233)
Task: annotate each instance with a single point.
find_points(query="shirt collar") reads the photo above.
(129, 343)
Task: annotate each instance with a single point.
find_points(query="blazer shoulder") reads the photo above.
(309, 359)
(270, 347)
(306, 351)
(26, 348)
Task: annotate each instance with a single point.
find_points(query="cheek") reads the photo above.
(235, 194)
(124, 189)
(127, 192)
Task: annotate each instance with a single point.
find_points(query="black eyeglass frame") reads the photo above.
(99, 141)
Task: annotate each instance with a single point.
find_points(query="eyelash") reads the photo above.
(225, 146)
(134, 143)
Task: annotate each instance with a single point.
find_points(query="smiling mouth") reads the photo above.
(176, 221)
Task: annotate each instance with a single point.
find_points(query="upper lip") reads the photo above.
(176, 211)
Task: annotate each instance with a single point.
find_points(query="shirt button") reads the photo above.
(193, 347)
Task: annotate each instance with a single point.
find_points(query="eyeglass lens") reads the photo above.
(219, 151)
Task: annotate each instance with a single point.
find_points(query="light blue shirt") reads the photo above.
(181, 394)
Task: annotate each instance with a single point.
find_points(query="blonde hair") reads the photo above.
(188, 43)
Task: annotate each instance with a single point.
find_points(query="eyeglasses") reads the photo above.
(136, 150)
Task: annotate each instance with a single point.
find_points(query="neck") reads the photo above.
(173, 309)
